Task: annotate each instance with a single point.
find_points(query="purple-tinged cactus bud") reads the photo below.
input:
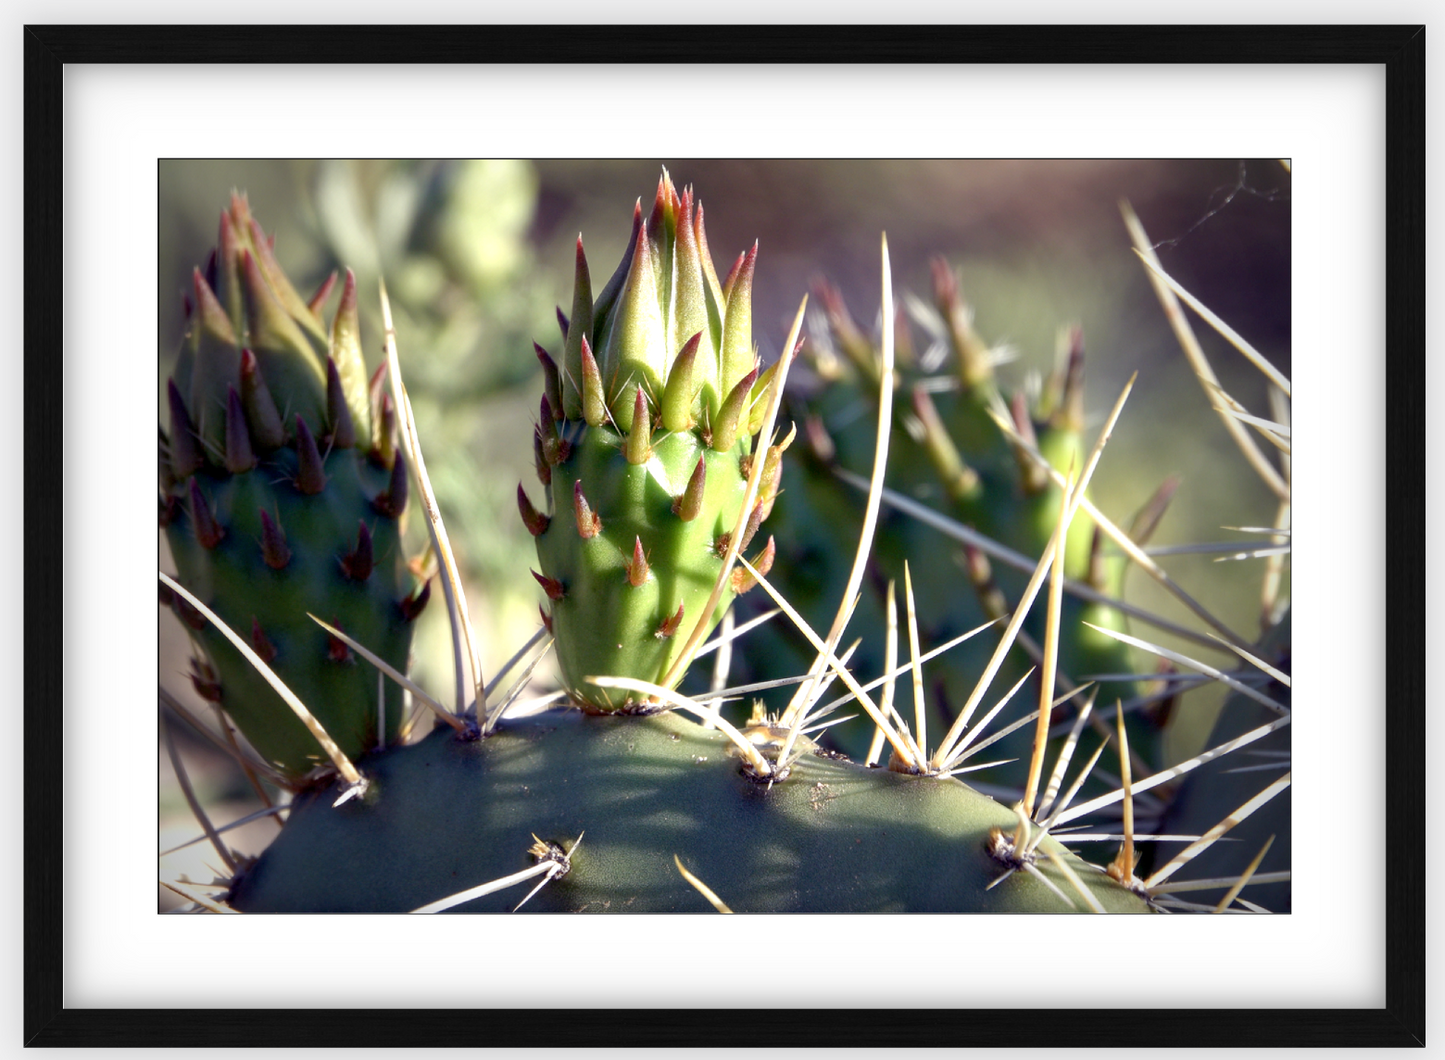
(688, 503)
(337, 650)
(416, 603)
(730, 416)
(681, 389)
(594, 402)
(536, 522)
(551, 586)
(361, 560)
(670, 625)
(637, 568)
(264, 422)
(318, 300)
(208, 531)
(544, 469)
(393, 502)
(546, 618)
(637, 447)
(260, 643)
(755, 520)
(341, 430)
(186, 454)
(743, 579)
(240, 456)
(574, 334)
(589, 523)
(551, 381)
(310, 471)
(274, 549)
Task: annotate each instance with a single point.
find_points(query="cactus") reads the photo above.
(644, 449)
(281, 495)
(956, 461)
(592, 809)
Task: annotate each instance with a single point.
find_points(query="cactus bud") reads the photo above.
(535, 522)
(273, 543)
(310, 471)
(589, 523)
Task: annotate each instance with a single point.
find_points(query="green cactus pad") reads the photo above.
(604, 624)
(281, 496)
(644, 446)
(446, 815)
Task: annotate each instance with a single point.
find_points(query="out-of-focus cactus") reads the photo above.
(952, 458)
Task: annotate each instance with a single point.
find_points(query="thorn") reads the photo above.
(393, 502)
(375, 392)
(554, 446)
(318, 300)
(337, 650)
(771, 480)
(551, 380)
(310, 471)
(535, 522)
(360, 561)
(384, 447)
(589, 523)
(743, 579)
(637, 569)
(273, 543)
(730, 416)
(208, 532)
(638, 445)
(546, 618)
(755, 520)
(188, 614)
(186, 455)
(414, 604)
(338, 415)
(551, 586)
(544, 469)
(259, 641)
(1149, 517)
(669, 625)
(736, 356)
(594, 406)
(688, 504)
(1035, 478)
(205, 681)
(960, 480)
(267, 430)
(240, 457)
(682, 388)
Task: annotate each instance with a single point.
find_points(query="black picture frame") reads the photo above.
(1401, 50)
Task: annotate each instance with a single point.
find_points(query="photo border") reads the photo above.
(1400, 50)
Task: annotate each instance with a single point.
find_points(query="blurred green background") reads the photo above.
(476, 255)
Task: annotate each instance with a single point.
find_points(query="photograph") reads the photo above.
(774, 535)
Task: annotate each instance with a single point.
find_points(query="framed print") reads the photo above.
(962, 139)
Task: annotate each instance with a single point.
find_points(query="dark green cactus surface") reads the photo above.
(446, 814)
(644, 445)
(282, 491)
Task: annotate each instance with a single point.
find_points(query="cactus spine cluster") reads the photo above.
(282, 489)
(643, 450)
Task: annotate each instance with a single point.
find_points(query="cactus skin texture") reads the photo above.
(949, 455)
(644, 444)
(832, 837)
(282, 492)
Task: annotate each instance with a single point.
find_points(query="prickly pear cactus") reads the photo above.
(643, 451)
(832, 836)
(281, 494)
(949, 456)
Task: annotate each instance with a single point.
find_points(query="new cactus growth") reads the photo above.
(281, 494)
(644, 446)
(657, 463)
